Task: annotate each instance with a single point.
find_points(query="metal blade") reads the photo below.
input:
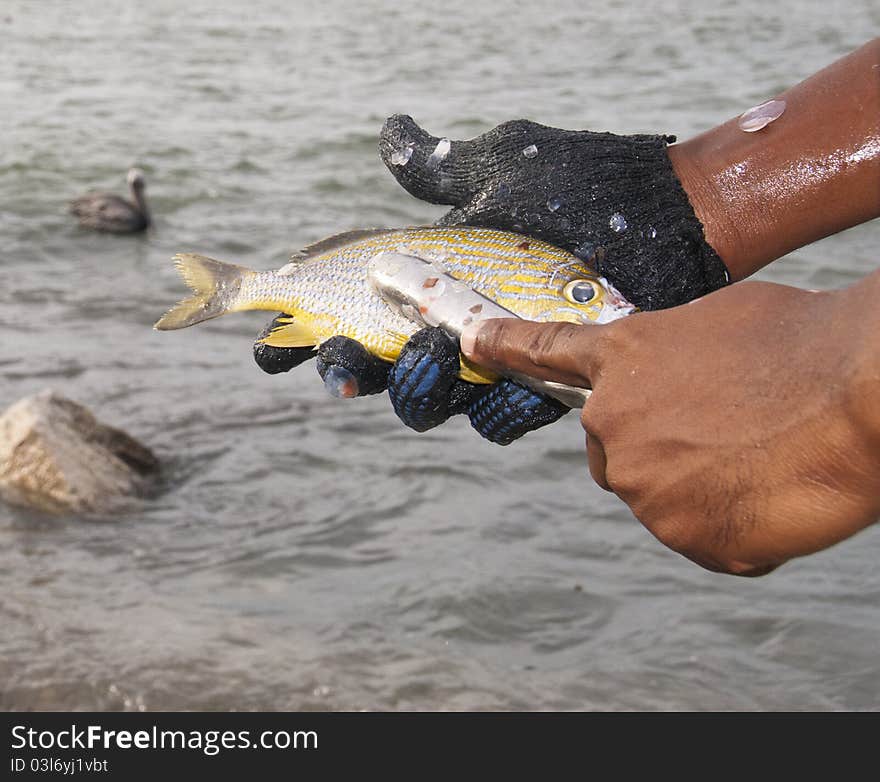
(422, 291)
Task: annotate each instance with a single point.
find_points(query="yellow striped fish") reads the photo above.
(325, 292)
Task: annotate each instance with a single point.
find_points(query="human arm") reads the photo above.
(742, 429)
(811, 173)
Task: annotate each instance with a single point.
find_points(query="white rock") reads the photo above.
(56, 457)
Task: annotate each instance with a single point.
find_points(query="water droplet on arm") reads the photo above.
(554, 203)
(530, 151)
(617, 222)
(761, 116)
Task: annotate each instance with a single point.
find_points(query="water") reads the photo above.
(761, 116)
(308, 552)
(400, 157)
(617, 222)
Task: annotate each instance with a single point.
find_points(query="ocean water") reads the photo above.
(307, 552)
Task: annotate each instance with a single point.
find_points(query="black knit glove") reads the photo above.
(614, 201)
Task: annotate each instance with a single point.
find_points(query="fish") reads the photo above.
(324, 290)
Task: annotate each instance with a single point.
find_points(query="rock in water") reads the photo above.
(56, 457)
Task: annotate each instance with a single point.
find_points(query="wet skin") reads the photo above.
(809, 174)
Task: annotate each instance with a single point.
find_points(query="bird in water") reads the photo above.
(112, 213)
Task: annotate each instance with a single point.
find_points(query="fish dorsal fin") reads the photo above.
(338, 240)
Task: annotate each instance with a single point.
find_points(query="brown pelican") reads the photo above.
(112, 213)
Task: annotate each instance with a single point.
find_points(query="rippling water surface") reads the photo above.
(311, 553)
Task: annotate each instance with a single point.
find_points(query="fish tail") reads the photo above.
(216, 286)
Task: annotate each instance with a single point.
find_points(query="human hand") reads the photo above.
(614, 201)
(742, 429)
(423, 384)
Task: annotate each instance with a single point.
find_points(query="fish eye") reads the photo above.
(580, 292)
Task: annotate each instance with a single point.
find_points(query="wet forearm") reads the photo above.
(811, 173)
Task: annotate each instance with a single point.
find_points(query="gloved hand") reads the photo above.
(614, 201)
(423, 384)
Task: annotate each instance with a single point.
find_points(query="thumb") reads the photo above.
(428, 167)
(560, 352)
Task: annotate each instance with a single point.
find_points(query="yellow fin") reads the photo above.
(397, 341)
(475, 374)
(290, 335)
(215, 285)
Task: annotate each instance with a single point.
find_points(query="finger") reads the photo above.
(560, 352)
(508, 410)
(349, 370)
(428, 167)
(422, 378)
(597, 462)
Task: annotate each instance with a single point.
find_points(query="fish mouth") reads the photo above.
(614, 305)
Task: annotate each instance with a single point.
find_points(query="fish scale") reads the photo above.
(325, 290)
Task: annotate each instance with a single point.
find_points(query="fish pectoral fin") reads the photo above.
(290, 335)
(474, 373)
(395, 343)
